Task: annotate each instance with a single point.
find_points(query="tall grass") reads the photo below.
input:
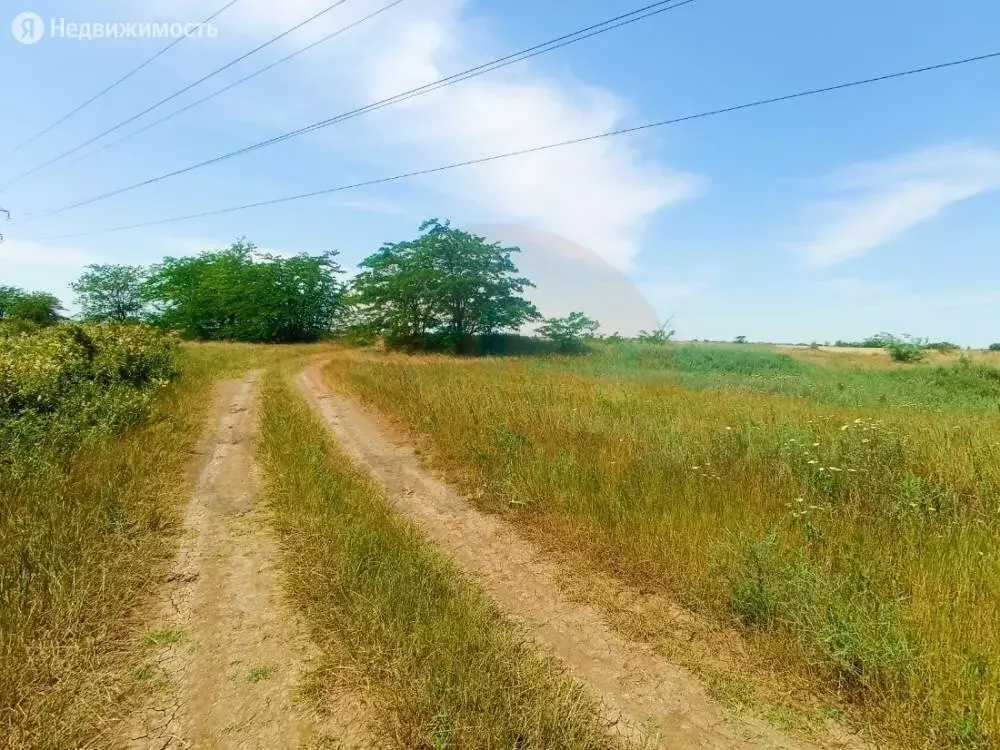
(856, 541)
(442, 666)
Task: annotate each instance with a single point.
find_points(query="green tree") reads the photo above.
(111, 293)
(39, 308)
(447, 283)
(8, 296)
(568, 333)
(242, 295)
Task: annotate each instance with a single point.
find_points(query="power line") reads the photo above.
(114, 85)
(173, 96)
(553, 44)
(537, 149)
(233, 85)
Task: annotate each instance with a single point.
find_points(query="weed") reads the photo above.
(167, 637)
(259, 674)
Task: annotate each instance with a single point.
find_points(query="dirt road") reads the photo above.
(653, 701)
(229, 653)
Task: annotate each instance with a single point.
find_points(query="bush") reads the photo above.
(17, 327)
(39, 372)
(82, 371)
(995, 347)
(906, 349)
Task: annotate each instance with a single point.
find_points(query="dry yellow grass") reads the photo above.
(856, 543)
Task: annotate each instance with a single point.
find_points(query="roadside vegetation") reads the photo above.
(92, 442)
(845, 519)
(439, 663)
(97, 425)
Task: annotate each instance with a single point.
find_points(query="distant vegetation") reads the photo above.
(111, 293)
(901, 348)
(445, 290)
(659, 335)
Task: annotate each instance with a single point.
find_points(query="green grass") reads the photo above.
(854, 538)
(164, 637)
(439, 663)
(259, 674)
(971, 386)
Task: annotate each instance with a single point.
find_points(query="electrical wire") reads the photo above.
(590, 31)
(173, 96)
(537, 149)
(102, 92)
(223, 90)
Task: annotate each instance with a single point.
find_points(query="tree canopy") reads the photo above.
(243, 295)
(111, 293)
(568, 333)
(446, 284)
(40, 308)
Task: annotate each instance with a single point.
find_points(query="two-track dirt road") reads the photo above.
(231, 654)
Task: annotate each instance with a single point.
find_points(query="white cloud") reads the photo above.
(877, 202)
(600, 194)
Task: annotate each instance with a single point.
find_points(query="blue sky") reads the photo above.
(833, 217)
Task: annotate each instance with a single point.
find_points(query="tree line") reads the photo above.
(445, 289)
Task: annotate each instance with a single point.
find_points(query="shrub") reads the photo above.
(17, 327)
(995, 347)
(62, 380)
(906, 349)
(659, 335)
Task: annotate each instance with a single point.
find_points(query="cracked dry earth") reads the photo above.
(230, 653)
(649, 700)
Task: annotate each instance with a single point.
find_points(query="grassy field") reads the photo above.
(440, 666)
(91, 493)
(843, 515)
